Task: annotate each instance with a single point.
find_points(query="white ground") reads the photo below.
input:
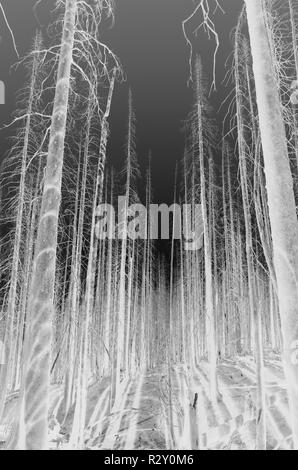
(141, 418)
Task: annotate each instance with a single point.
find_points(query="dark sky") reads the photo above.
(148, 39)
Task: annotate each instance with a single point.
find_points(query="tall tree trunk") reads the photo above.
(15, 272)
(41, 305)
(209, 300)
(281, 201)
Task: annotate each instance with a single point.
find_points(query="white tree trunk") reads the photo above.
(280, 196)
(41, 304)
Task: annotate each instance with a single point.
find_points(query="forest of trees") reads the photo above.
(88, 324)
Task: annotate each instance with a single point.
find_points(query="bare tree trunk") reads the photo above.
(281, 201)
(209, 301)
(14, 278)
(39, 333)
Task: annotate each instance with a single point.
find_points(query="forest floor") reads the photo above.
(144, 419)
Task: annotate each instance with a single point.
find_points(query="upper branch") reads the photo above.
(10, 30)
(208, 24)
